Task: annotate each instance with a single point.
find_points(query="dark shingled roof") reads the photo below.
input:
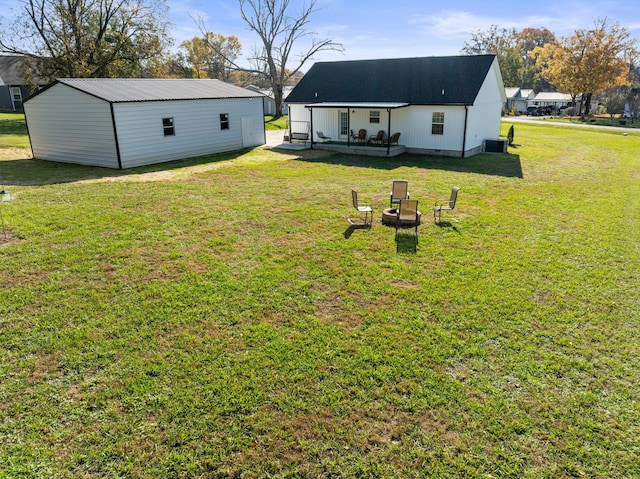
(10, 71)
(454, 80)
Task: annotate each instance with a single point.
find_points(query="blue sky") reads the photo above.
(403, 28)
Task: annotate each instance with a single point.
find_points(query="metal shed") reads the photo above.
(124, 123)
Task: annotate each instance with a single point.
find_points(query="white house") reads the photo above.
(552, 99)
(124, 123)
(517, 98)
(439, 105)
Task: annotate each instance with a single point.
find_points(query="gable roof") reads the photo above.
(512, 92)
(454, 80)
(122, 90)
(552, 96)
(9, 72)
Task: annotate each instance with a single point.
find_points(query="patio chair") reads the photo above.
(378, 138)
(399, 191)
(408, 216)
(393, 140)
(445, 205)
(361, 208)
(362, 136)
(322, 136)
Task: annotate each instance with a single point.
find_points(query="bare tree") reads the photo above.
(279, 31)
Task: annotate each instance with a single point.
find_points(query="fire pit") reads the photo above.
(390, 217)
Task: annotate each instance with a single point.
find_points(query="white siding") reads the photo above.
(70, 126)
(414, 124)
(197, 129)
(484, 115)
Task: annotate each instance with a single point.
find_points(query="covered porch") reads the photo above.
(335, 126)
(359, 149)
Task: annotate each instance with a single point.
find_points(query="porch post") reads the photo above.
(311, 126)
(388, 131)
(348, 127)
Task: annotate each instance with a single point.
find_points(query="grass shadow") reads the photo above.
(507, 165)
(447, 225)
(406, 243)
(351, 228)
(34, 172)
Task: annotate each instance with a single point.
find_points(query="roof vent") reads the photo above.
(443, 91)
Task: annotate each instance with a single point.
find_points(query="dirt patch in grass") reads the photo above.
(15, 153)
(7, 238)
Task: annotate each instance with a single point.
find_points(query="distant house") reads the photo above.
(269, 100)
(517, 98)
(551, 99)
(12, 90)
(632, 104)
(123, 123)
(439, 105)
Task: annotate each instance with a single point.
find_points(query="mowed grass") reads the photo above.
(217, 317)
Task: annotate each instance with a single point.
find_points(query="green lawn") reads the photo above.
(278, 124)
(217, 317)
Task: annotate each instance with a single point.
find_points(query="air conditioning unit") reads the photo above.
(497, 145)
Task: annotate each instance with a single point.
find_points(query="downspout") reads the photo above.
(348, 127)
(388, 130)
(311, 126)
(464, 133)
(115, 136)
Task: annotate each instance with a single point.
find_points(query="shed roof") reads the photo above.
(120, 90)
(453, 80)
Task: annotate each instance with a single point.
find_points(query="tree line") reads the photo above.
(600, 60)
(130, 38)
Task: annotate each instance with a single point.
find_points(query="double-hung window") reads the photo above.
(437, 123)
(167, 127)
(224, 121)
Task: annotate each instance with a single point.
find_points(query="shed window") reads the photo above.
(224, 121)
(167, 126)
(374, 116)
(437, 123)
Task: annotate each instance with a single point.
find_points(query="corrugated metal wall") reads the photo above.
(70, 126)
(197, 129)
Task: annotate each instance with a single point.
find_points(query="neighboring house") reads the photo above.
(269, 100)
(632, 104)
(551, 99)
(439, 105)
(123, 123)
(517, 98)
(12, 90)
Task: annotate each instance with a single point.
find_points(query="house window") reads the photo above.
(224, 121)
(437, 123)
(16, 94)
(167, 126)
(374, 116)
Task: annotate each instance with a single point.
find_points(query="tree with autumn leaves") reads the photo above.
(589, 62)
